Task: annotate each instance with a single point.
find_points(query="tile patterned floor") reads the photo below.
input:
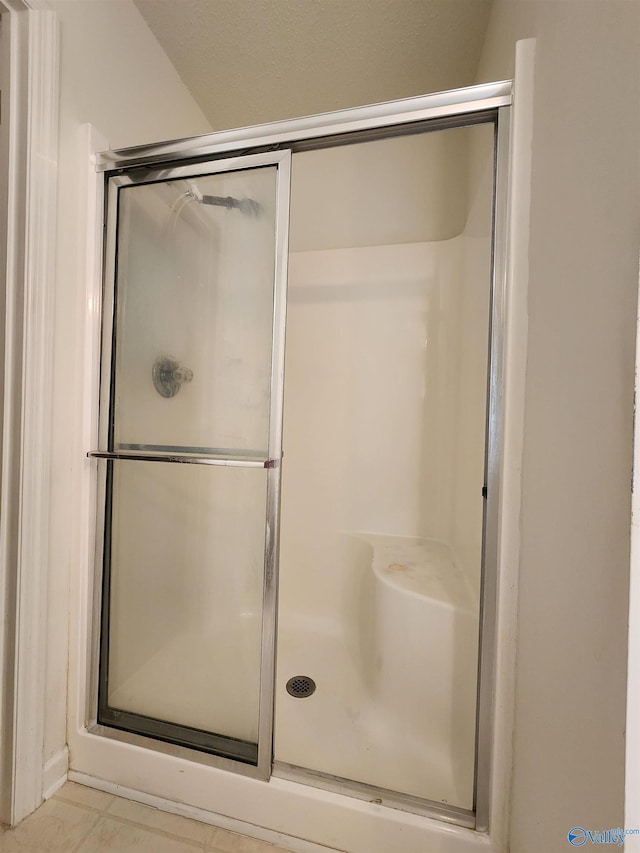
(81, 820)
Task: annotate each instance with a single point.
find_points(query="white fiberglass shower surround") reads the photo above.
(296, 471)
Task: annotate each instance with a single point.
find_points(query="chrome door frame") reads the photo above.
(455, 103)
(475, 104)
(493, 467)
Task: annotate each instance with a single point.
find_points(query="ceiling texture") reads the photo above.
(251, 61)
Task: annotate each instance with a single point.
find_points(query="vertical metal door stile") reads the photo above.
(495, 413)
(270, 594)
(105, 439)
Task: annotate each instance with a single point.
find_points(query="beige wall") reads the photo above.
(570, 690)
(114, 75)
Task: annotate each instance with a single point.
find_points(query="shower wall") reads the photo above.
(413, 218)
(372, 391)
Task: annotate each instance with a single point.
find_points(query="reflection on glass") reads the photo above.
(187, 554)
(194, 315)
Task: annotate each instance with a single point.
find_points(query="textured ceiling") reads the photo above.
(252, 61)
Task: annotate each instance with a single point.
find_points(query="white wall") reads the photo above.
(115, 76)
(570, 691)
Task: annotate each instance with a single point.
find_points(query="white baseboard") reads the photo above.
(54, 773)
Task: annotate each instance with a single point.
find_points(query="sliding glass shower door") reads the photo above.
(381, 574)
(382, 534)
(190, 438)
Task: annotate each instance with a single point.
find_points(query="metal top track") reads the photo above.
(439, 105)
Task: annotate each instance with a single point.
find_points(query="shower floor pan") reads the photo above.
(395, 702)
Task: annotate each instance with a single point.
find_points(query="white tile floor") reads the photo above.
(81, 820)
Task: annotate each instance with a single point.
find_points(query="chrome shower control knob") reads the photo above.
(168, 375)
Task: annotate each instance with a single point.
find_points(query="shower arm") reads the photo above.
(244, 205)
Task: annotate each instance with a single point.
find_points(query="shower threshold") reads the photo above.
(182, 736)
(380, 796)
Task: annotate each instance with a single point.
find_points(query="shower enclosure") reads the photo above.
(297, 451)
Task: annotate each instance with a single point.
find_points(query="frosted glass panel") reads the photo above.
(187, 556)
(193, 335)
(186, 433)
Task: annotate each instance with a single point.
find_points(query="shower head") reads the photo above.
(247, 206)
